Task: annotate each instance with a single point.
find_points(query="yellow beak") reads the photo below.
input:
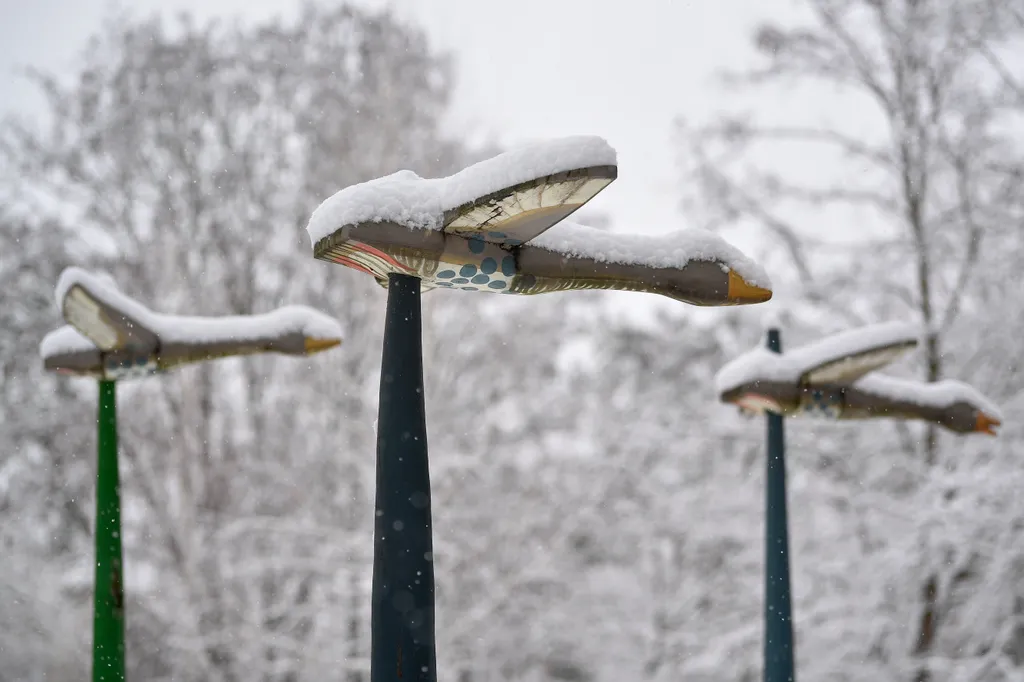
(741, 291)
(318, 345)
(985, 424)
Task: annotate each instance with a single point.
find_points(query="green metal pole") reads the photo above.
(108, 605)
(778, 616)
(402, 643)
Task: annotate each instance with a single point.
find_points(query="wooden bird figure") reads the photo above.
(833, 378)
(112, 336)
(500, 226)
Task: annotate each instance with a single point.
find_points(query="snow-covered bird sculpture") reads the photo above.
(499, 226)
(832, 378)
(111, 336)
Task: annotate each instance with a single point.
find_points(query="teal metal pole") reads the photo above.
(108, 604)
(778, 615)
(402, 645)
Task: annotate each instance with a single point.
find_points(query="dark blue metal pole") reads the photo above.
(778, 615)
(402, 603)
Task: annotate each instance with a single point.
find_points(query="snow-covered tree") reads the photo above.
(185, 159)
(905, 204)
(598, 516)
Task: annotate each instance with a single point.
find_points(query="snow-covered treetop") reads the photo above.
(185, 330)
(409, 200)
(843, 357)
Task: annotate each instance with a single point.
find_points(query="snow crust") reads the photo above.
(309, 322)
(674, 250)
(764, 365)
(63, 340)
(416, 202)
(939, 394)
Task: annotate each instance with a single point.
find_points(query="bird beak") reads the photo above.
(318, 345)
(985, 424)
(741, 291)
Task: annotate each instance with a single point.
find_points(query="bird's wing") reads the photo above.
(104, 323)
(514, 215)
(852, 366)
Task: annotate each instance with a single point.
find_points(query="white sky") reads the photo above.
(622, 69)
(532, 68)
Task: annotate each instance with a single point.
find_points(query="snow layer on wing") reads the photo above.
(938, 394)
(764, 365)
(64, 340)
(309, 322)
(852, 342)
(759, 364)
(407, 199)
(670, 251)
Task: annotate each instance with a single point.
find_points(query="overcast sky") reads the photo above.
(621, 69)
(530, 68)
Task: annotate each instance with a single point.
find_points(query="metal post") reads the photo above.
(108, 604)
(402, 603)
(778, 616)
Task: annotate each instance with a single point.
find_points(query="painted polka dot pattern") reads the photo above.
(477, 244)
(129, 368)
(502, 238)
(820, 404)
(489, 274)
